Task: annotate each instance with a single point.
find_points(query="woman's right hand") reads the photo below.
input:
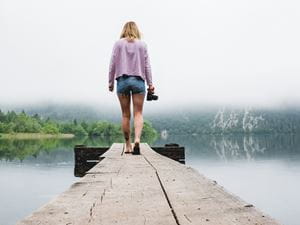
(151, 89)
(110, 88)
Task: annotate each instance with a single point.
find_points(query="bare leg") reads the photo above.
(138, 101)
(125, 106)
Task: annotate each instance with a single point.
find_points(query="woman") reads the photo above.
(130, 66)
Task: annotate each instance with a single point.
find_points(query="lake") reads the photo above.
(263, 170)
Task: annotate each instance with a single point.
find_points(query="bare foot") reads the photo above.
(128, 148)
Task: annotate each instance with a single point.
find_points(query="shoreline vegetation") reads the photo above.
(34, 135)
(23, 126)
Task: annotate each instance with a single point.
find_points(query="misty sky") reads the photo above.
(202, 51)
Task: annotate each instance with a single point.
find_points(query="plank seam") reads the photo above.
(164, 191)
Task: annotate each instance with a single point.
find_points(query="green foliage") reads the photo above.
(2, 116)
(6, 127)
(10, 116)
(12, 122)
(26, 124)
(149, 134)
(84, 125)
(2, 130)
(104, 129)
(50, 128)
(73, 128)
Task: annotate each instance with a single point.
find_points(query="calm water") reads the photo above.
(264, 170)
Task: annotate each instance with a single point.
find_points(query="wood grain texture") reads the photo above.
(199, 200)
(121, 189)
(145, 189)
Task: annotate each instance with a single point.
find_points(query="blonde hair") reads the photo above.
(130, 31)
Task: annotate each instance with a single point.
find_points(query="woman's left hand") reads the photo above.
(111, 88)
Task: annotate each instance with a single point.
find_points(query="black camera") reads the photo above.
(151, 96)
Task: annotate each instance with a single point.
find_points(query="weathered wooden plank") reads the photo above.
(75, 205)
(135, 197)
(145, 189)
(196, 199)
(116, 150)
(121, 189)
(112, 155)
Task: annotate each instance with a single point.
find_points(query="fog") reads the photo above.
(201, 52)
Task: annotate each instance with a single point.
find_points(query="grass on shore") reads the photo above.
(34, 136)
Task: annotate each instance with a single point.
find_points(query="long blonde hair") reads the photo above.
(130, 31)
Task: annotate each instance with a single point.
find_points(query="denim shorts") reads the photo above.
(130, 83)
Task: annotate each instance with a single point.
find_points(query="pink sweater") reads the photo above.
(129, 58)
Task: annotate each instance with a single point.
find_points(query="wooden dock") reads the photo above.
(145, 189)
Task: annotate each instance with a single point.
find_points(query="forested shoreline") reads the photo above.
(89, 120)
(13, 123)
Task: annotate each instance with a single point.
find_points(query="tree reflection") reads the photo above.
(50, 150)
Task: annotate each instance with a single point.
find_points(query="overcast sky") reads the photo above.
(202, 51)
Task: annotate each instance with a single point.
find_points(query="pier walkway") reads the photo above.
(146, 189)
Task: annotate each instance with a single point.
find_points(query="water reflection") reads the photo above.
(209, 147)
(263, 170)
(239, 147)
(49, 150)
(33, 172)
(254, 167)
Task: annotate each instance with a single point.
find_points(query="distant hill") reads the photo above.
(182, 120)
(224, 121)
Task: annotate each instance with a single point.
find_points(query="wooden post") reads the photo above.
(86, 157)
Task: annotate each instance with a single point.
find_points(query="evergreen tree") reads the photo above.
(2, 116)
